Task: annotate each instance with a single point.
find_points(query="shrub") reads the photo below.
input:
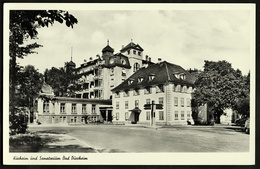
(18, 121)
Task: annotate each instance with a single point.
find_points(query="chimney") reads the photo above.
(159, 60)
(123, 46)
(146, 57)
(149, 59)
(90, 59)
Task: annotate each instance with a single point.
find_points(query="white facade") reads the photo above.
(176, 100)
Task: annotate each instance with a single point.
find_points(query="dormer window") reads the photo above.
(139, 53)
(117, 95)
(134, 52)
(177, 75)
(151, 77)
(130, 81)
(140, 79)
(160, 88)
(126, 93)
(147, 90)
(182, 76)
(136, 92)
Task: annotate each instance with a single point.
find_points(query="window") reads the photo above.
(73, 109)
(117, 116)
(134, 52)
(188, 102)
(140, 79)
(188, 115)
(184, 89)
(46, 107)
(84, 108)
(93, 108)
(160, 88)
(117, 95)
(182, 102)
(182, 115)
(148, 90)
(161, 100)
(136, 92)
(175, 101)
(136, 67)
(112, 71)
(148, 115)
(117, 105)
(176, 115)
(161, 115)
(130, 81)
(128, 52)
(182, 76)
(151, 77)
(139, 53)
(177, 75)
(136, 103)
(62, 108)
(126, 93)
(178, 88)
(82, 119)
(126, 104)
(126, 116)
(148, 101)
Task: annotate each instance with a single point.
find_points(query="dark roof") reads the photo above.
(163, 72)
(132, 45)
(71, 63)
(107, 49)
(117, 61)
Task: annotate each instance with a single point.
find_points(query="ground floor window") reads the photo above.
(117, 116)
(182, 115)
(126, 116)
(148, 115)
(62, 119)
(188, 115)
(161, 115)
(176, 116)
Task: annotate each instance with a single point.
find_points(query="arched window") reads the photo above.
(136, 67)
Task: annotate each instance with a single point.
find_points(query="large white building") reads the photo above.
(66, 110)
(165, 83)
(98, 76)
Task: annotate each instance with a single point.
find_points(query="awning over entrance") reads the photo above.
(134, 116)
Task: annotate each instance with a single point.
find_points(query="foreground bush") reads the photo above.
(18, 121)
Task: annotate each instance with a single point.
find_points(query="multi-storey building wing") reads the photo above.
(165, 83)
(100, 75)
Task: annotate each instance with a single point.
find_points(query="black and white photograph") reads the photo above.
(129, 84)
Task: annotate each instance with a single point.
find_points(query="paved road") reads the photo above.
(106, 138)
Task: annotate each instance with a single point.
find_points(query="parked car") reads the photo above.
(247, 126)
(241, 121)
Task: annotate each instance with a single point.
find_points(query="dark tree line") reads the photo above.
(23, 25)
(221, 87)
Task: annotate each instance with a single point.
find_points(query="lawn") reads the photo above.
(45, 142)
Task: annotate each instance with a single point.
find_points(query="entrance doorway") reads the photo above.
(106, 115)
(134, 117)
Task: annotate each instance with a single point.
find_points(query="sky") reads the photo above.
(182, 37)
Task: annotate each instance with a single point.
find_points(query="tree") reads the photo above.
(23, 25)
(63, 82)
(242, 105)
(218, 86)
